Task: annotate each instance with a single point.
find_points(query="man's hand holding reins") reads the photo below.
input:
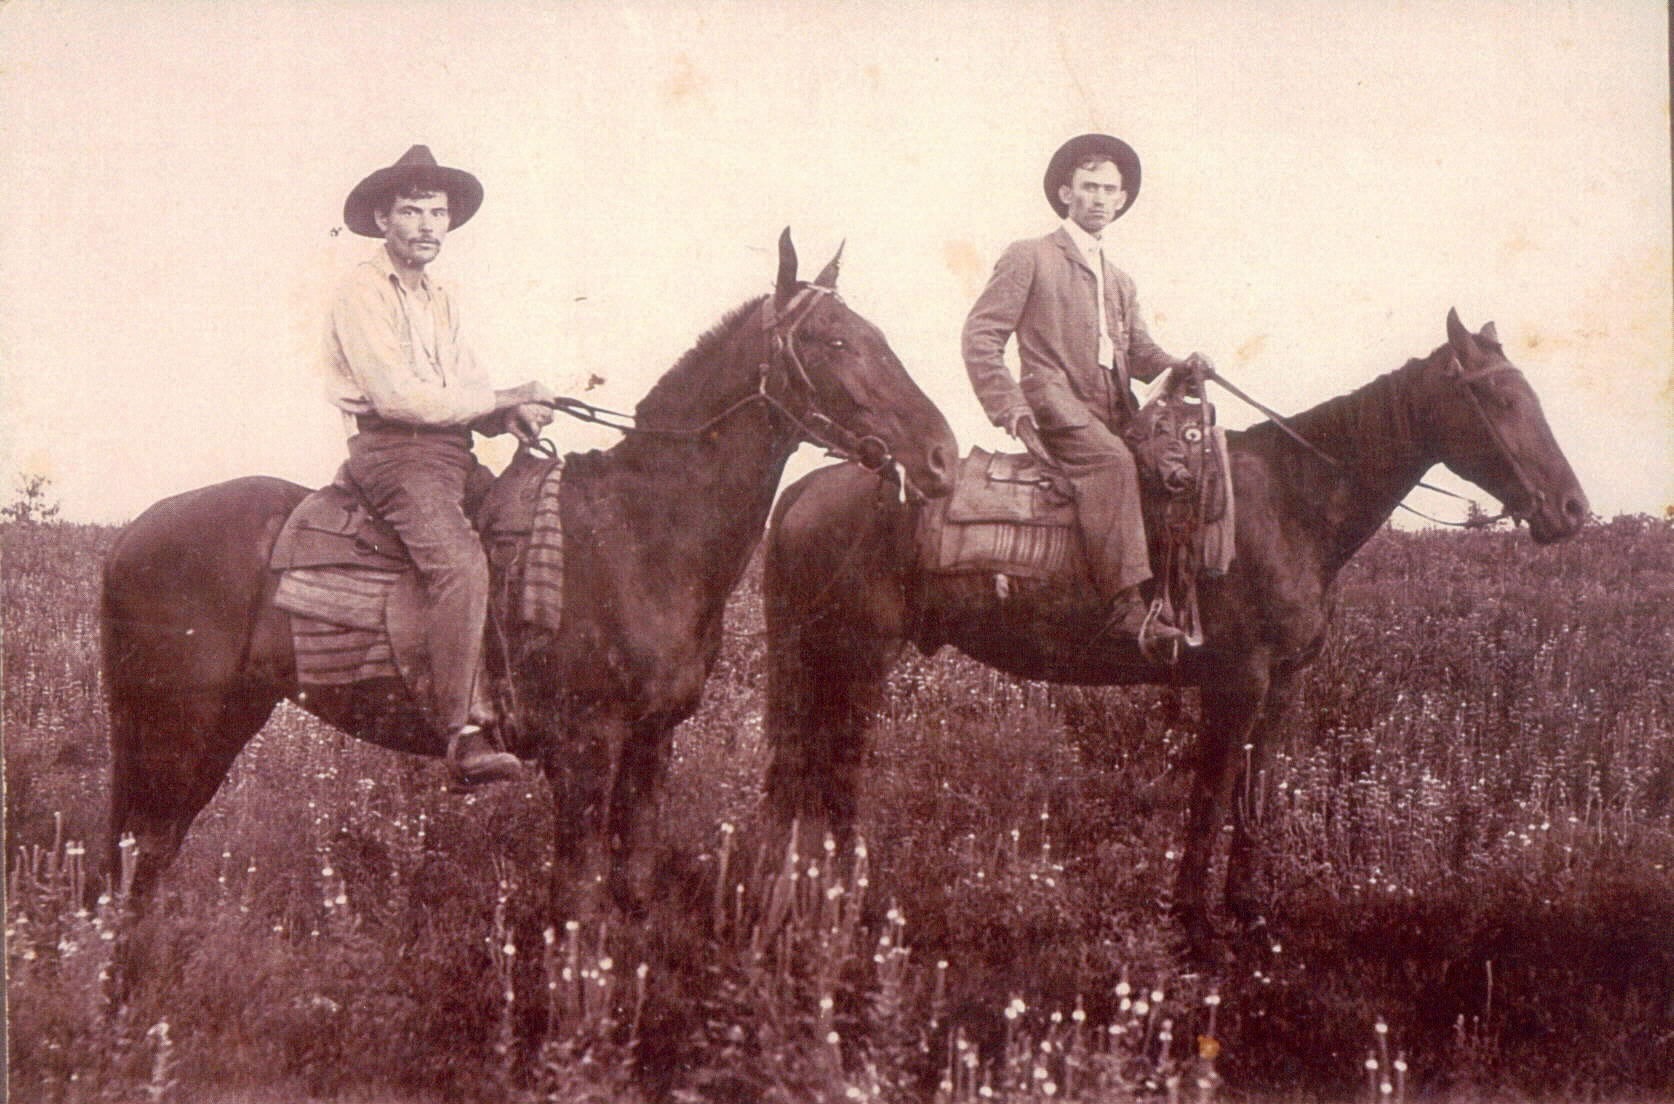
(528, 420)
(527, 409)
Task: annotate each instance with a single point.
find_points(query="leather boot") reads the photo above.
(473, 761)
(1129, 614)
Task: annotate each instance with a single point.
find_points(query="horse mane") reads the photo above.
(670, 399)
(1378, 412)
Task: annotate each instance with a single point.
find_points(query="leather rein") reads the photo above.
(812, 424)
(1456, 373)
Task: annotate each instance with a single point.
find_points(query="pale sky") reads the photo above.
(1322, 181)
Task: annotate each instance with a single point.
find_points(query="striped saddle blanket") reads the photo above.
(1007, 516)
(355, 602)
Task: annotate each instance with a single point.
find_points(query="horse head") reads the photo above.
(1487, 426)
(845, 387)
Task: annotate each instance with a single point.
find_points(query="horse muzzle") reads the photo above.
(1556, 518)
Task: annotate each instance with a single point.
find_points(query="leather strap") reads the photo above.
(377, 423)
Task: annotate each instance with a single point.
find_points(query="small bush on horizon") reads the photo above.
(34, 503)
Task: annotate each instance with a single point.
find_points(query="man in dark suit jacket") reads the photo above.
(1077, 360)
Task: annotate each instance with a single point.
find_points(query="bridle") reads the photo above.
(1532, 495)
(811, 423)
(1455, 372)
(815, 426)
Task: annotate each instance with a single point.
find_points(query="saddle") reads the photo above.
(355, 600)
(1008, 515)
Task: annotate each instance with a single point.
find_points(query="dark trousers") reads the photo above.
(419, 479)
(1107, 503)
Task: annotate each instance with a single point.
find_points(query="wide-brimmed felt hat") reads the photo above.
(1072, 152)
(417, 167)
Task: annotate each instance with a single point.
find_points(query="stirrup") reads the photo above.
(1157, 646)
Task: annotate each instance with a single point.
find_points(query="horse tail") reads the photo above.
(121, 708)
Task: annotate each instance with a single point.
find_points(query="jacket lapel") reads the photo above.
(1112, 301)
(1060, 237)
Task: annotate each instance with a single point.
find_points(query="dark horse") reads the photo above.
(658, 531)
(844, 592)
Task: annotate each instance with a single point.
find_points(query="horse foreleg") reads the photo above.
(579, 767)
(1243, 866)
(641, 767)
(1230, 706)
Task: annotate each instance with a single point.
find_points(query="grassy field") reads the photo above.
(1470, 882)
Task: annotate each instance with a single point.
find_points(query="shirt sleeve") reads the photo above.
(990, 324)
(368, 331)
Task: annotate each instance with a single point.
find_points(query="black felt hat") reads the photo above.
(416, 168)
(1063, 163)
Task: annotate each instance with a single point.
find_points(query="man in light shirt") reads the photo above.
(1076, 362)
(411, 394)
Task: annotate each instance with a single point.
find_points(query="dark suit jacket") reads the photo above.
(1042, 290)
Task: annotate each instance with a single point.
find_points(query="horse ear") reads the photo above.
(828, 275)
(785, 286)
(1462, 340)
(1488, 334)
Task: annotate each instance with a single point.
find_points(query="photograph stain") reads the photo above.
(963, 260)
(1251, 349)
(687, 84)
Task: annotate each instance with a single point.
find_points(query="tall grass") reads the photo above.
(1469, 838)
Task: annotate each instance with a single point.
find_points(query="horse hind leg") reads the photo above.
(171, 751)
(836, 614)
(821, 699)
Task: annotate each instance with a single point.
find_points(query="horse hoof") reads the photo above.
(629, 903)
(1260, 936)
(1202, 946)
(1209, 953)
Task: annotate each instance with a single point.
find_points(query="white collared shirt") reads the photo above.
(397, 353)
(1093, 250)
